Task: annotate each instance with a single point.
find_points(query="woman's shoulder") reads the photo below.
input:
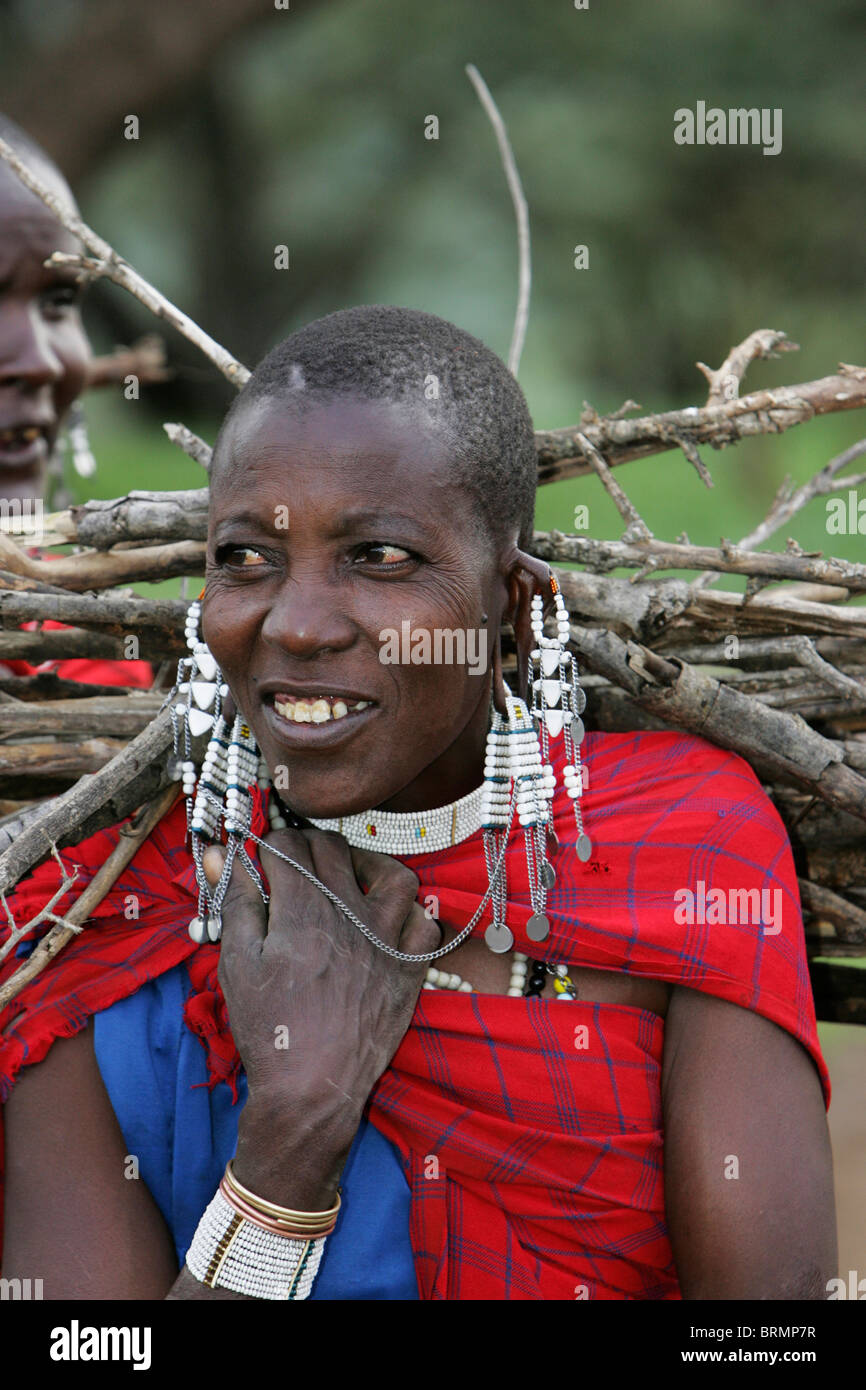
(679, 770)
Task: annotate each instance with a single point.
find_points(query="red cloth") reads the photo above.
(533, 1148)
(132, 673)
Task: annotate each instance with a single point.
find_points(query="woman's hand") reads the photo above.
(316, 1010)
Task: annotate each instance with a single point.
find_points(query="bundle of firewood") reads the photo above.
(777, 673)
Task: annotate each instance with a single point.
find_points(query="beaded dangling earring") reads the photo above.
(222, 796)
(72, 444)
(82, 457)
(515, 782)
(558, 701)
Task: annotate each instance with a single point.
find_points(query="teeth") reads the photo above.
(318, 711)
(26, 436)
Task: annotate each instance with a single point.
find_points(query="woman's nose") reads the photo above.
(28, 357)
(307, 619)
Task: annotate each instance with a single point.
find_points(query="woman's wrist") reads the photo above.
(293, 1156)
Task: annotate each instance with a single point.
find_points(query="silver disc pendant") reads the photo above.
(538, 927)
(579, 698)
(499, 939)
(198, 930)
(584, 847)
(577, 729)
(548, 875)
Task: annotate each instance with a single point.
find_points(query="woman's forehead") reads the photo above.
(352, 440)
(18, 200)
(341, 467)
(26, 224)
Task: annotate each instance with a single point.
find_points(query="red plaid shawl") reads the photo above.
(531, 1130)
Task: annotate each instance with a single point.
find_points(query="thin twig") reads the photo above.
(521, 318)
(840, 577)
(636, 526)
(725, 383)
(560, 454)
(112, 266)
(804, 650)
(190, 443)
(144, 360)
(787, 503)
(17, 934)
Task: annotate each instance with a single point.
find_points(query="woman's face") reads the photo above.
(44, 350)
(327, 532)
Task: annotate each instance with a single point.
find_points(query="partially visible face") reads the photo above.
(44, 350)
(327, 530)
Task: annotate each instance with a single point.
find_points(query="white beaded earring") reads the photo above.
(516, 783)
(558, 701)
(220, 796)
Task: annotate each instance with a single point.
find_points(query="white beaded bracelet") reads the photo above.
(230, 1252)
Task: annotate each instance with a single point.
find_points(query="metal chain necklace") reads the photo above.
(347, 911)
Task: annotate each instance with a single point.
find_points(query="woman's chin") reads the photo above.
(323, 804)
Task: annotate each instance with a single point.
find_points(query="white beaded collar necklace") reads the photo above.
(411, 832)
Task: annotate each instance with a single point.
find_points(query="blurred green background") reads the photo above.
(260, 127)
(305, 127)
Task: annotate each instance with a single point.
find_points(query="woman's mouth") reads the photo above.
(316, 709)
(23, 446)
(315, 720)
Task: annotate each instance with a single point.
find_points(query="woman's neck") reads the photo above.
(458, 771)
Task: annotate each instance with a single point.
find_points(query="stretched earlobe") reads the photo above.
(525, 571)
(539, 569)
(498, 691)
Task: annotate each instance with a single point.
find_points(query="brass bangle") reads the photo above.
(276, 1226)
(305, 1220)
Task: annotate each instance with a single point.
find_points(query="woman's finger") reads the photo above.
(377, 873)
(244, 915)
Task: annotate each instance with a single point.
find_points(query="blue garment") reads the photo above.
(183, 1134)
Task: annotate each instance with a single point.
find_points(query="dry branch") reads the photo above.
(57, 759)
(68, 644)
(560, 454)
(521, 212)
(118, 615)
(131, 838)
(139, 516)
(647, 642)
(601, 556)
(124, 715)
(196, 448)
(133, 775)
(105, 569)
(144, 360)
(112, 267)
(848, 920)
(693, 700)
(725, 381)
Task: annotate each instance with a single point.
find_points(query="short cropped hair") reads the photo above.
(383, 352)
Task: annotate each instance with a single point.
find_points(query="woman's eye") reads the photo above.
(239, 556)
(61, 299)
(385, 555)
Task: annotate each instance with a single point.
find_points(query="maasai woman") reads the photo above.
(610, 1088)
(44, 355)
